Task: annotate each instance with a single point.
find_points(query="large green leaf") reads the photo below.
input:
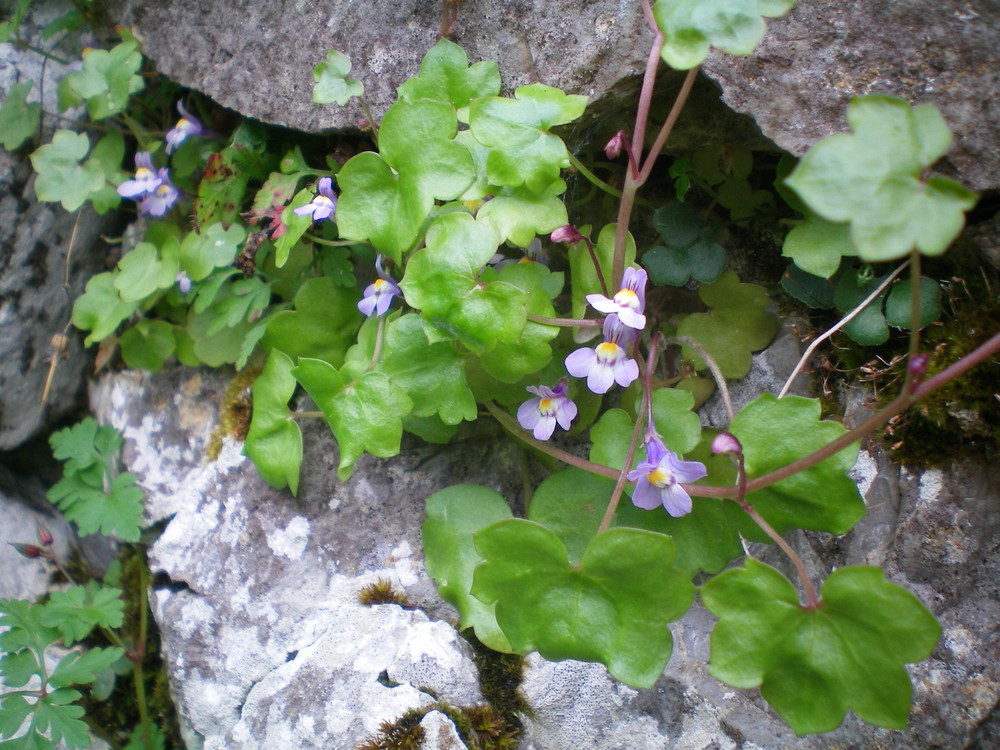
(274, 441)
(522, 150)
(571, 503)
(365, 414)
(613, 608)
(691, 27)
(454, 514)
(775, 432)
(520, 213)
(813, 664)
(872, 178)
(100, 309)
(322, 325)
(107, 80)
(61, 178)
(442, 280)
(446, 76)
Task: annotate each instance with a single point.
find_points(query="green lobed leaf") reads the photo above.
(148, 344)
(23, 621)
(812, 665)
(85, 445)
(18, 119)
(454, 514)
(274, 441)
(612, 609)
(18, 668)
(331, 81)
(79, 609)
(141, 272)
(137, 740)
(322, 325)
(817, 245)
(365, 414)
(79, 668)
(446, 76)
(868, 328)
(775, 432)
(57, 714)
(872, 179)
(520, 213)
(523, 151)
(736, 325)
(811, 290)
(214, 246)
(107, 80)
(571, 503)
(386, 197)
(117, 512)
(14, 709)
(432, 375)
(442, 281)
(61, 178)
(691, 27)
(108, 155)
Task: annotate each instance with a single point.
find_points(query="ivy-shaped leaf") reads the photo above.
(213, 247)
(691, 27)
(18, 119)
(108, 155)
(571, 503)
(523, 151)
(737, 324)
(365, 414)
(79, 609)
(141, 272)
(689, 248)
(432, 375)
(454, 514)
(331, 81)
(817, 245)
(442, 280)
(386, 197)
(274, 441)
(107, 80)
(775, 432)
(148, 344)
(520, 213)
(812, 665)
(446, 76)
(613, 608)
(61, 178)
(322, 325)
(872, 179)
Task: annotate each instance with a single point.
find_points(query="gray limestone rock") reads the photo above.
(813, 60)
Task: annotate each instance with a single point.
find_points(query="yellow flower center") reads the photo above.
(608, 351)
(143, 174)
(660, 478)
(626, 298)
(380, 285)
(545, 407)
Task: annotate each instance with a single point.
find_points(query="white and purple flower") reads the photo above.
(146, 180)
(324, 205)
(658, 479)
(159, 200)
(608, 362)
(186, 126)
(378, 295)
(553, 405)
(628, 302)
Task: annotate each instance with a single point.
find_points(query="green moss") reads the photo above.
(235, 410)
(382, 591)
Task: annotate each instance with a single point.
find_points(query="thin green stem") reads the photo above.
(140, 651)
(616, 495)
(39, 51)
(331, 243)
(597, 181)
(566, 322)
(377, 350)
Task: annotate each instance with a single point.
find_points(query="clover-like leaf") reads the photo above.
(691, 27)
(737, 324)
(431, 374)
(107, 80)
(274, 441)
(365, 414)
(446, 76)
(442, 280)
(522, 150)
(77, 669)
(79, 609)
(386, 197)
(18, 119)
(61, 176)
(331, 81)
(322, 325)
(775, 432)
(613, 608)
(817, 245)
(454, 514)
(872, 179)
(813, 664)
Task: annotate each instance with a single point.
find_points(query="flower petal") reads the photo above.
(676, 500)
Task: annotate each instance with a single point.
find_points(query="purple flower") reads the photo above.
(160, 199)
(607, 363)
(541, 414)
(187, 125)
(183, 282)
(628, 302)
(378, 296)
(146, 179)
(323, 205)
(657, 479)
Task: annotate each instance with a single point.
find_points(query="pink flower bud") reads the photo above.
(614, 148)
(567, 234)
(918, 365)
(725, 442)
(27, 550)
(44, 536)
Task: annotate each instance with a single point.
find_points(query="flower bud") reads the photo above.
(726, 442)
(614, 147)
(567, 233)
(27, 550)
(44, 536)
(918, 365)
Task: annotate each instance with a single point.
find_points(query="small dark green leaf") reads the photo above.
(898, 305)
